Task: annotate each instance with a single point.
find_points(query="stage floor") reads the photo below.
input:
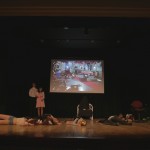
(125, 137)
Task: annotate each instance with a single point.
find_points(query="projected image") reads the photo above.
(77, 76)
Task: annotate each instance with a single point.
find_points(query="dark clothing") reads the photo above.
(85, 113)
(84, 104)
(32, 108)
(84, 109)
(114, 120)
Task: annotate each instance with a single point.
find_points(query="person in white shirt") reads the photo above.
(32, 100)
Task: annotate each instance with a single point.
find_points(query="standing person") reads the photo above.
(40, 101)
(32, 102)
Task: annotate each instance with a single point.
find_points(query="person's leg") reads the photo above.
(76, 120)
(125, 122)
(41, 111)
(112, 120)
(30, 107)
(70, 122)
(4, 122)
(54, 120)
(4, 117)
(34, 107)
(32, 103)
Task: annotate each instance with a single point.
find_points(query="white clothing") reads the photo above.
(110, 117)
(32, 92)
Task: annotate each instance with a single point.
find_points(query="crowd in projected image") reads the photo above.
(77, 76)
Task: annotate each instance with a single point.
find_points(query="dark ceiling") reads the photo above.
(99, 8)
(52, 25)
(77, 32)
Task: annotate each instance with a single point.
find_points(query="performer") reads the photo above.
(11, 120)
(77, 122)
(117, 120)
(23, 121)
(32, 100)
(40, 103)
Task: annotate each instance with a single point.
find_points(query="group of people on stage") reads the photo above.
(37, 100)
(118, 119)
(49, 119)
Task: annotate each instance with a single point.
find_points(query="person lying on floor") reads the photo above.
(11, 120)
(116, 120)
(49, 119)
(77, 122)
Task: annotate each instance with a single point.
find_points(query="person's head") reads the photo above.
(130, 116)
(40, 89)
(34, 84)
(81, 122)
(120, 115)
(54, 120)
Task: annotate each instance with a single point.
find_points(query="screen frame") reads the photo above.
(52, 72)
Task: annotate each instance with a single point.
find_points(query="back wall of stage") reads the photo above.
(29, 43)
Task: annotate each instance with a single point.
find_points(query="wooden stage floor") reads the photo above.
(92, 136)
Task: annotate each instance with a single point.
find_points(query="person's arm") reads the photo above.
(77, 122)
(72, 123)
(43, 95)
(30, 93)
(55, 121)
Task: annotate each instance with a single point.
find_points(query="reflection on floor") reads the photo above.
(64, 136)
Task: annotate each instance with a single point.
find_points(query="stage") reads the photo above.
(92, 136)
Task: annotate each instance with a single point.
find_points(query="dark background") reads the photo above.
(29, 43)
